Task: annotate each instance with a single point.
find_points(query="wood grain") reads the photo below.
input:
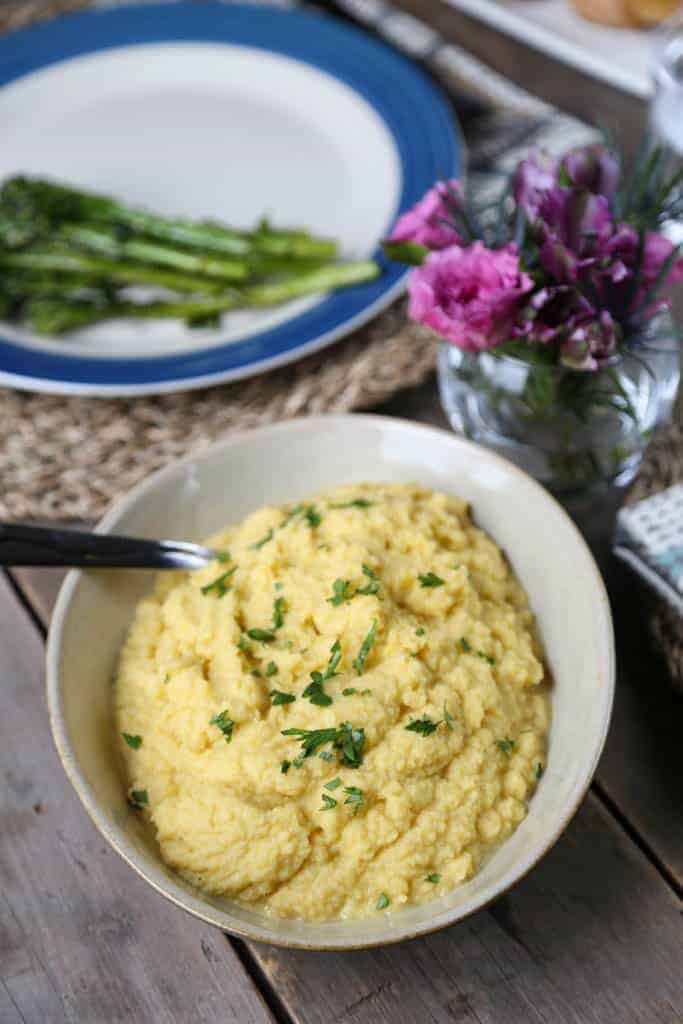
(591, 936)
(82, 939)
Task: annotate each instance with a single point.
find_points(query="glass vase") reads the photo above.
(572, 430)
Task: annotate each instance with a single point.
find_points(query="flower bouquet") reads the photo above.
(559, 349)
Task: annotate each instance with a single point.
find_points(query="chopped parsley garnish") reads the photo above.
(219, 584)
(328, 803)
(359, 661)
(486, 657)
(257, 674)
(279, 609)
(506, 745)
(333, 784)
(278, 585)
(420, 631)
(263, 636)
(347, 739)
(465, 645)
(298, 761)
(242, 644)
(373, 586)
(354, 503)
(430, 579)
(312, 517)
(315, 690)
(383, 901)
(279, 697)
(355, 797)
(447, 717)
(326, 755)
(340, 592)
(349, 691)
(257, 545)
(366, 692)
(285, 766)
(222, 556)
(425, 726)
(224, 723)
(271, 669)
(138, 798)
(539, 770)
(434, 878)
(291, 514)
(133, 741)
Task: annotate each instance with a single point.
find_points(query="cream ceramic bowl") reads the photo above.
(283, 463)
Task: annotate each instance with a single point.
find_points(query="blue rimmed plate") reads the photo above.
(227, 112)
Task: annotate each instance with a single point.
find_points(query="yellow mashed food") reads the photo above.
(343, 715)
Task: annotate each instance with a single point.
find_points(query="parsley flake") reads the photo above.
(263, 636)
(257, 545)
(486, 657)
(424, 726)
(366, 692)
(298, 761)
(279, 697)
(291, 513)
(434, 878)
(349, 691)
(271, 669)
(465, 645)
(222, 556)
(355, 797)
(383, 901)
(359, 661)
(539, 770)
(506, 746)
(137, 799)
(328, 803)
(219, 584)
(278, 585)
(285, 766)
(279, 609)
(224, 723)
(348, 739)
(430, 579)
(312, 517)
(135, 742)
(373, 586)
(315, 690)
(420, 631)
(340, 592)
(326, 755)
(334, 784)
(354, 503)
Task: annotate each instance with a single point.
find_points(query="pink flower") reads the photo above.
(470, 296)
(590, 345)
(623, 251)
(532, 179)
(429, 222)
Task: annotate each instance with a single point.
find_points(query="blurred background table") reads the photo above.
(592, 936)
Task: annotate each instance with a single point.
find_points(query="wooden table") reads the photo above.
(592, 936)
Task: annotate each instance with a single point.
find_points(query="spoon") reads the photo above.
(45, 546)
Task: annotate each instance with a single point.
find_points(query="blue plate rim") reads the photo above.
(423, 128)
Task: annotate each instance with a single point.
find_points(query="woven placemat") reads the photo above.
(68, 458)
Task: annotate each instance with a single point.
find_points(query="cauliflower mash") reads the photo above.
(344, 713)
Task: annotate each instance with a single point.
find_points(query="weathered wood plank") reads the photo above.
(81, 937)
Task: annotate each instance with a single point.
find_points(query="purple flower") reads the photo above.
(470, 296)
(623, 251)
(590, 345)
(573, 230)
(551, 313)
(429, 221)
(593, 168)
(532, 179)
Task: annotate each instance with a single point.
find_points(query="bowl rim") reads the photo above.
(113, 833)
